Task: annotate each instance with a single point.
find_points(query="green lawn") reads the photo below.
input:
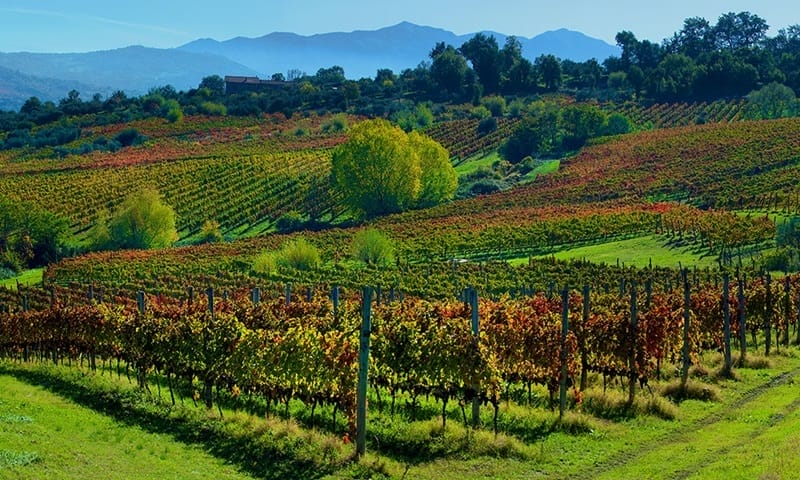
(42, 435)
(28, 277)
(638, 252)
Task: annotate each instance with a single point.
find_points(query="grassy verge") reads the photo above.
(28, 277)
(753, 415)
(43, 435)
(640, 252)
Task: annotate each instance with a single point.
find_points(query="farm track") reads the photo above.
(683, 433)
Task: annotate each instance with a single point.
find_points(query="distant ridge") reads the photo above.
(361, 53)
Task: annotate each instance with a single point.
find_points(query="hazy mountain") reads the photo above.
(361, 53)
(16, 87)
(137, 69)
(132, 69)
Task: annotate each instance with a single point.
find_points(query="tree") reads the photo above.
(142, 221)
(486, 59)
(29, 236)
(549, 69)
(449, 69)
(215, 84)
(439, 180)
(380, 169)
(735, 31)
(771, 101)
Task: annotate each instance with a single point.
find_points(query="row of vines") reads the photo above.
(306, 349)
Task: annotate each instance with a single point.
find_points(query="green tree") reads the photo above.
(487, 60)
(439, 180)
(549, 70)
(30, 236)
(142, 221)
(449, 69)
(215, 84)
(771, 101)
(381, 169)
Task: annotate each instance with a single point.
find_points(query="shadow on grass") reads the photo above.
(253, 455)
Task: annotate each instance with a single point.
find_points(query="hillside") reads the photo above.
(605, 191)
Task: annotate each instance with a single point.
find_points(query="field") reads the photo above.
(568, 307)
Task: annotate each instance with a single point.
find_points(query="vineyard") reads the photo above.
(671, 115)
(452, 326)
(420, 348)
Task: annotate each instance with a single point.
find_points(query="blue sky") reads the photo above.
(86, 25)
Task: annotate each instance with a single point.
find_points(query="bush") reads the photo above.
(335, 124)
(142, 221)
(265, 263)
(212, 108)
(129, 137)
(289, 222)
(486, 126)
(299, 255)
(480, 112)
(373, 248)
(495, 104)
(210, 232)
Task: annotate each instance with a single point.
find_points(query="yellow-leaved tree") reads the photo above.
(381, 169)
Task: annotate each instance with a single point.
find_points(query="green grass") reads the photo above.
(43, 435)
(548, 166)
(473, 164)
(28, 277)
(638, 252)
(746, 433)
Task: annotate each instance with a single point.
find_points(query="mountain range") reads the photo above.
(361, 53)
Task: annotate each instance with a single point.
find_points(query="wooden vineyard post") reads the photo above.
(190, 292)
(632, 360)
(586, 310)
(726, 308)
(210, 295)
(472, 295)
(90, 294)
(363, 367)
(564, 329)
(335, 300)
(687, 305)
(140, 302)
(255, 295)
(787, 309)
(768, 316)
(742, 325)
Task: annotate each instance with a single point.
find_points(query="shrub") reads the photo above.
(373, 247)
(142, 221)
(486, 126)
(289, 222)
(129, 137)
(495, 104)
(265, 263)
(212, 108)
(210, 232)
(480, 112)
(299, 255)
(335, 124)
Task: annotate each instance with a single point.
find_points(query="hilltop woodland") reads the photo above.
(522, 237)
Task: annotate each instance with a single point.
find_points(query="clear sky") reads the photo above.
(86, 25)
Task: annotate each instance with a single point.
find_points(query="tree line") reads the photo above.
(701, 61)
